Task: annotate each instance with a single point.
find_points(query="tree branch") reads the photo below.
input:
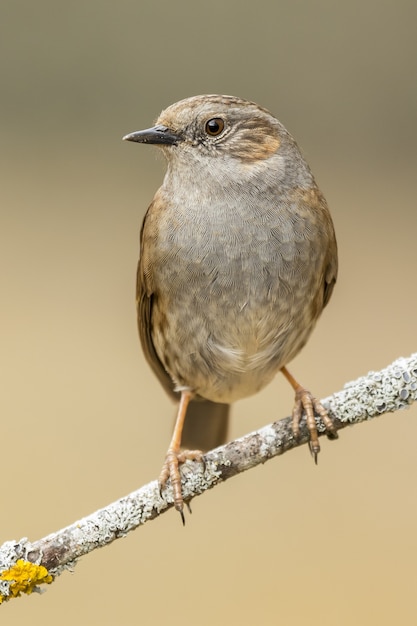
(25, 565)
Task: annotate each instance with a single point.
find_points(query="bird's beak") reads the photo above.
(157, 135)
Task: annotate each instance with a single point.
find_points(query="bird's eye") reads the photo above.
(214, 126)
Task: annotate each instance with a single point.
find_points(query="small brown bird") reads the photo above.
(238, 258)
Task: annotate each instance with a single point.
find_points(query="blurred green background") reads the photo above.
(84, 421)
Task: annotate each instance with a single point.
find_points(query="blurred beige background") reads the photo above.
(84, 421)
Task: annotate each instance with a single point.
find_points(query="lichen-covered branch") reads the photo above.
(25, 565)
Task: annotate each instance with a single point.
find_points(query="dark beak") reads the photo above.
(157, 135)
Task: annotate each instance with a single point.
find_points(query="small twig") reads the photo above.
(25, 565)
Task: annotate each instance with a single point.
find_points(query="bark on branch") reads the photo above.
(25, 565)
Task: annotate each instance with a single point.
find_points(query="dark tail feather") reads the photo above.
(206, 425)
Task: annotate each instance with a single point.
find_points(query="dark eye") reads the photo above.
(214, 126)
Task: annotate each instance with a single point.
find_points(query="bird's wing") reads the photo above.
(144, 300)
(314, 201)
(329, 280)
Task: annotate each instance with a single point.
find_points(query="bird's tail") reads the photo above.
(206, 425)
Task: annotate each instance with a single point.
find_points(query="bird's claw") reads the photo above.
(306, 402)
(170, 470)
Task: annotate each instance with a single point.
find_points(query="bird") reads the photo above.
(238, 258)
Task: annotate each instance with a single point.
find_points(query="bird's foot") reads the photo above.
(305, 401)
(170, 470)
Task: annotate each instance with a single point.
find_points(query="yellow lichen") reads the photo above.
(24, 577)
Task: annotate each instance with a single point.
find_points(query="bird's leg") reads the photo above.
(304, 400)
(175, 456)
